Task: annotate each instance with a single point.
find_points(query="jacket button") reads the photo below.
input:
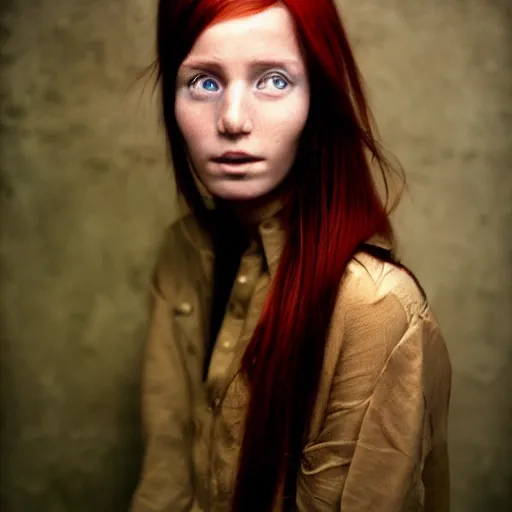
(185, 308)
(227, 343)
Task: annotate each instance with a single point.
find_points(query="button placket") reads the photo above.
(230, 333)
(243, 287)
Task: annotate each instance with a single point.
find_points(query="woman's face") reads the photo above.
(242, 100)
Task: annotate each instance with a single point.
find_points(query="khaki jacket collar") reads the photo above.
(272, 233)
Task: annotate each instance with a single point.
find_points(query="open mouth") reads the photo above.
(236, 160)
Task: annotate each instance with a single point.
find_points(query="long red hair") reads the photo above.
(335, 209)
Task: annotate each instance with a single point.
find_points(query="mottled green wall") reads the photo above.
(440, 73)
(85, 194)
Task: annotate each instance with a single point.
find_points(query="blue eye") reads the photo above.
(279, 82)
(203, 83)
(276, 81)
(210, 85)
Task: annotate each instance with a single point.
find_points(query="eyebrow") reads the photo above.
(215, 66)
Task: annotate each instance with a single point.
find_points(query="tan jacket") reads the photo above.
(378, 435)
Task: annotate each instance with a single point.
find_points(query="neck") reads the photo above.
(251, 213)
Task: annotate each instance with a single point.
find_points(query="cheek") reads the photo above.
(299, 114)
(285, 127)
(192, 123)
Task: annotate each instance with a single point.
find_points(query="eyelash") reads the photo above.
(193, 81)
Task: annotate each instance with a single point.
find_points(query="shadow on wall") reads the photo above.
(85, 195)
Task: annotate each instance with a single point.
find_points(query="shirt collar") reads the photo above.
(272, 234)
(269, 229)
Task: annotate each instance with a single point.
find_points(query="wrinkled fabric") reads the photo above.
(378, 433)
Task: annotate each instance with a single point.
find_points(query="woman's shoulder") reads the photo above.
(383, 324)
(180, 250)
(382, 328)
(369, 279)
(181, 235)
(379, 305)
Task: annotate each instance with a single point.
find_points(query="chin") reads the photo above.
(239, 191)
(235, 196)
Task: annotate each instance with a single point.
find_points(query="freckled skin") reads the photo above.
(244, 87)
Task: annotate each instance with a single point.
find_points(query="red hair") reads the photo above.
(335, 209)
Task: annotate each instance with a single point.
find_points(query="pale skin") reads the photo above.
(243, 88)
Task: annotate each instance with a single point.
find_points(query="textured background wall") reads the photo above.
(85, 195)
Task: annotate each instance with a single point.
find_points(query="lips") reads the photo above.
(236, 158)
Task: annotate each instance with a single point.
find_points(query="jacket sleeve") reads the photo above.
(165, 483)
(388, 454)
(371, 449)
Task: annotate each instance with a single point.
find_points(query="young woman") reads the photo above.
(292, 363)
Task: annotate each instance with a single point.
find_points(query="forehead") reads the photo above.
(269, 34)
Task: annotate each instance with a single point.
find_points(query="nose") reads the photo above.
(234, 118)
